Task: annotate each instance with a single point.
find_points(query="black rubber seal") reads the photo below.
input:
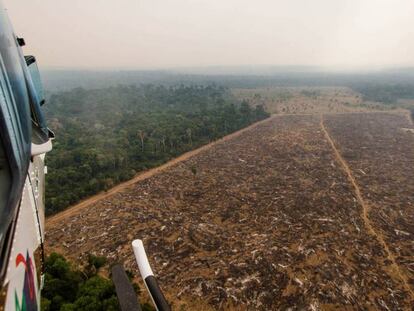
(156, 294)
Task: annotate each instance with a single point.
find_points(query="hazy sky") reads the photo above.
(175, 33)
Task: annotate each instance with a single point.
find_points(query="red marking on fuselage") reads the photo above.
(29, 270)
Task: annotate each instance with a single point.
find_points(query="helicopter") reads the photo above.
(24, 141)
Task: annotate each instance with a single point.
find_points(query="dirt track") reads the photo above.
(142, 176)
(365, 213)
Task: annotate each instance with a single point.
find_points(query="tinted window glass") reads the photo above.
(13, 66)
(40, 133)
(37, 82)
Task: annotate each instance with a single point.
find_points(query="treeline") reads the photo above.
(232, 77)
(106, 136)
(68, 288)
(385, 93)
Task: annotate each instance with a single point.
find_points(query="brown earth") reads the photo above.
(140, 176)
(382, 159)
(298, 212)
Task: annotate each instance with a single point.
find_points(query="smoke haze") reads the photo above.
(148, 34)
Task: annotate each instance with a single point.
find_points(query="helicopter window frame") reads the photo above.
(40, 131)
(13, 136)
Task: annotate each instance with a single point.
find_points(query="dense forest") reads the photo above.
(385, 93)
(68, 288)
(105, 136)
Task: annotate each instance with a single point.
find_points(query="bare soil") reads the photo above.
(139, 177)
(301, 212)
(382, 159)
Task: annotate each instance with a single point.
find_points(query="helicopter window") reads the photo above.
(40, 133)
(35, 75)
(12, 65)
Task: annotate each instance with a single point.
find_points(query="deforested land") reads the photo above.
(307, 211)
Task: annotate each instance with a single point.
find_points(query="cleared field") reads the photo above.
(301, 100)
(380, 152)
(271, 219)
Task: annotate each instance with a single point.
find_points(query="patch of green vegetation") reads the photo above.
(68, 288)
(311, 93)
(193, 170)
(385, 93)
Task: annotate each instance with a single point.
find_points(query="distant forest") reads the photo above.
(385, 93)
(232, 77)
(105, 136)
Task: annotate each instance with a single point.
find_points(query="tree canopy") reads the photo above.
(68, 288)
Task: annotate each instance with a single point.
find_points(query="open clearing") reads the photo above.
(301, 100)
(302, 211)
